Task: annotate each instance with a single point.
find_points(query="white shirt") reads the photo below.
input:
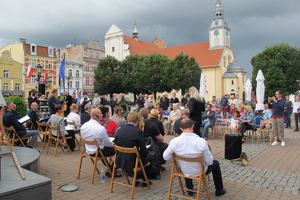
(93, 130)
(154, 104)
(189, 145)
(73, 117)
(295, 107)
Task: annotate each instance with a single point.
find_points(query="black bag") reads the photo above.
(153, 149)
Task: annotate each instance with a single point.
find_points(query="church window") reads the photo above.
(232, 82)
(224, 60)
(217, 42)
(113, 49)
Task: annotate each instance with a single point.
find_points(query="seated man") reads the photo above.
(32, 114)
(151, 106)
(209, 116)
(173, 117)
(93, 130)
(190, 145)
(85, 117)
(130, 136)
(9, 119)
(184, 114)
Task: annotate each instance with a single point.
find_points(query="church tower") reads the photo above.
(219, 33)
(135, 33)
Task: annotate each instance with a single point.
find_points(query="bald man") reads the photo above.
(32, 113)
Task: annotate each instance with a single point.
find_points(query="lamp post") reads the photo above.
(39, 70)
(68, 78)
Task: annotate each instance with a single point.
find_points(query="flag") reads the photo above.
(46, 76)
(62, 70)
(29, 71)
(206, 92)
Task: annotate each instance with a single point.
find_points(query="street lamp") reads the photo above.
(68, 78)
(39, 70)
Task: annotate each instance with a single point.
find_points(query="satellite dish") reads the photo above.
(2, 101)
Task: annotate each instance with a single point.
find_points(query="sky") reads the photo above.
(254, 24)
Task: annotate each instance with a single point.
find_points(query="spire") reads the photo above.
(135, 32)
(219, 13)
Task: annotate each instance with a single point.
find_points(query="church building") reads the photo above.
(215, 57)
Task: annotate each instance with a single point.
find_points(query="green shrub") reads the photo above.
(20, 104)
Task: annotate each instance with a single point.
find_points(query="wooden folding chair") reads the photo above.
(76, 132)
(94, 159)
(180, 175)
(137, 167)
(221, 124)
(56, 140)
(176, 134)
(43, 130)
(15, 136)
(31, 125)
(262, 130)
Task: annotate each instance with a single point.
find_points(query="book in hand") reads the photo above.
(24, 119)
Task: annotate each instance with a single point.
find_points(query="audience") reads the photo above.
(85, 116)
(209, 121)
(184, 114)
(173, 117)
(154, 115)
(73, 117)
(247, 121)
(235, 122)
(32, 113)
(118, 117)
(110, 126)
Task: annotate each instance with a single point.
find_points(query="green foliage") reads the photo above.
(279, 56)
(20, 104)
(275, 82)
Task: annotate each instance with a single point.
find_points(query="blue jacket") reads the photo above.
(52, 102)
(278, 107)
(9, 119)
(249, 117)
(224, 102)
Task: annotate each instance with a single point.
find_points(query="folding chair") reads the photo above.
(94, 159)
(137, 167)
(76, 132)
(261, 130)
(31, 125)
(221, 124)
(56, 140)
(180, 175)
(176, 134)
(43, 130)
(15, 136)
(257, 125)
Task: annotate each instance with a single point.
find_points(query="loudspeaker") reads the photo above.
(233, 146)
(42, 88)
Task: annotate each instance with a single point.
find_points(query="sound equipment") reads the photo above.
(233, 146)
(42, 88)
(242, 158)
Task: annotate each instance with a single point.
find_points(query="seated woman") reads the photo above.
(118, 118)
(57, 120)
(235, 122)
(247, 120)
(160, 110)
(73, 117)
(215, 108)
(241, 110)
(110, 126)
(232, 109)
(154, 115)
(137, 108)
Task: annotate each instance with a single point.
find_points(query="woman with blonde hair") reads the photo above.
(53, 101)
(73, 117)
(196, 106)
(118, 117)
(247, 120)
(154, 115)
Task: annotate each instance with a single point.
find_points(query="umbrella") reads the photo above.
(202, 86)
(248, 90)
(2, 102)
(260, 91)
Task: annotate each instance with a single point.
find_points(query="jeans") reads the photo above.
(297, 118)
(288, 118)
(33, 133)
(206, 125)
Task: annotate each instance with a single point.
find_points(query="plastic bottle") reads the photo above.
(102, 175)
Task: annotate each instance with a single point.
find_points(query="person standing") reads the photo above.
(146, 104)
(196, 106)
(213, 101)
(85, 100)
(96, 101)
(68, 99)
(53, 101)
(151, 98)
(79, 97)
(278, 118)
(184, 101)
(288, 111)
(140, 101)
(164, 102)
(224, 105)
(174, 99)
(113, 102)
(296, 111)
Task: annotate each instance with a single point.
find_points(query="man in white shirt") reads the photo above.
(146, 104)
(190, 145)
(152, 99)
(93, 130)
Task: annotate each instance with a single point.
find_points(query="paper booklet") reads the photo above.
(24, 119)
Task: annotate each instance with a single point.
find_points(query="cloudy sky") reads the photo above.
(254, 24)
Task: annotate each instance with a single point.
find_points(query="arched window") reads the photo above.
(77, 73)
(87, 80)
(70, 73)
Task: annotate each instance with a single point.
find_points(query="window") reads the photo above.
(49, 80)
(87, 80)
(5, 86)
(77, 84)
(113, 49)
(70, 84)
(5, 73)
(42, 63)
(217, 42)
(50, 65)
(87, 67)
(32, 63)
(70, 73)
(97, 55)
(32, 80)
(17, 86)
(50, 51)
(232, 82)
(94, 67)
(91, 54)
(33, 49)
(77, 73)
(42, 79)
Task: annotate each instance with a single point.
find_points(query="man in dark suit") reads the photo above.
(209, 116)
(31, 99)
(130, 136)
(184, 114)
(164, 102)
(33, 116)
(113, 103)
(174, 99)
(85, 117)
(68, 99)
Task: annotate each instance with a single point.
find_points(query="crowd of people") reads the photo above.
(149, 122)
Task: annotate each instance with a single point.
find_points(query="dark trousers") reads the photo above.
(288, 118)
(71, 142)
(297, 118)
(245, 126)
(217, 175)
(107, 151)
(197, 129)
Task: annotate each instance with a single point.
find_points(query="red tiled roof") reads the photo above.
(41, 51)
(200, 51)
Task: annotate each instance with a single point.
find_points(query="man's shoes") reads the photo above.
(162, 168)
(220, 192)
(275, 143)
(282, 143)
(296, 129)
(116, 174)
(145, 184)
(28, 146)
(191, 193)
(290, 127)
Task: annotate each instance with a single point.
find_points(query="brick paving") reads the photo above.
(272, 173)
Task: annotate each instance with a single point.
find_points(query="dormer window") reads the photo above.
(33, 49)
(50, 51)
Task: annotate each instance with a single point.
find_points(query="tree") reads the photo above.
(184, 72)
(20, 104)
(283, 57)
(108, 76)
(275, 82)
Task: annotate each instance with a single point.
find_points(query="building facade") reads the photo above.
(11, 81)
(214, 57)
(89, 56)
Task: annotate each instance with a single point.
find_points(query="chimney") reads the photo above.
(22, 40)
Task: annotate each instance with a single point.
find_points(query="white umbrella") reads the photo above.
(260, 91)
(202, 86)
(248, 89)
(2, 102)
